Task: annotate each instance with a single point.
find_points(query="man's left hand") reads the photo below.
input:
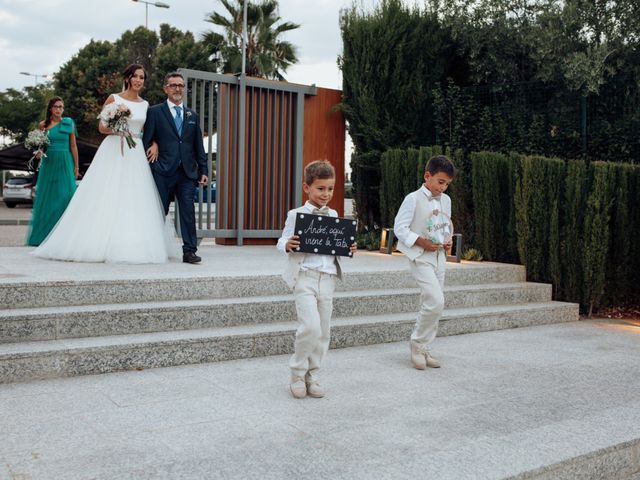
(203, 180)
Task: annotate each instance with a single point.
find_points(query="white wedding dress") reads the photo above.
(116, 214)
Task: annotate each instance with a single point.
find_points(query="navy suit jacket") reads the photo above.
(175, 148)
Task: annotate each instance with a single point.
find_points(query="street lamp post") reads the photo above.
(35, 75)
(146, 9)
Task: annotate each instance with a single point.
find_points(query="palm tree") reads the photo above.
(267, 55)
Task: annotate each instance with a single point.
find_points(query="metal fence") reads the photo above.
(254, 142)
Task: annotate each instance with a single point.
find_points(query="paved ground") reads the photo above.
(13, 224)
(505, 402)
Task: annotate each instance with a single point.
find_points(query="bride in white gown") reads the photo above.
(116, 214)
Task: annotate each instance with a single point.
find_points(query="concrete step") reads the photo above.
(616, 462)
(48, 323)
(69, 357)
(17, 293)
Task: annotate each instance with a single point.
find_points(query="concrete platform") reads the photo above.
(17, 265)
(546, 402)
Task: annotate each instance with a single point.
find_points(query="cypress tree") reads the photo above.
(597, 234)
(571, 232)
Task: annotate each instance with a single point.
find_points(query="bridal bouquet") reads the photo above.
(116, 117)
(36, 142)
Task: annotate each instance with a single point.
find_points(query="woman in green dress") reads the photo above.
(57, 175)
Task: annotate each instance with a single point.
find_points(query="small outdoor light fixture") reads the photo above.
(35, 75)
(386, 240)
(146, 9)
(456, 249)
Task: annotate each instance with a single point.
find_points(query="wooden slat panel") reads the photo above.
(324, 137)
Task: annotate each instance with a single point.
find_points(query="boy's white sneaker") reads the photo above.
(314, 389)
(421, 358)
(298, 387)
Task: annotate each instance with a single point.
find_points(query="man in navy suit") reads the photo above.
(181, 162)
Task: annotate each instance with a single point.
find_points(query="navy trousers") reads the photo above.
(181, 188)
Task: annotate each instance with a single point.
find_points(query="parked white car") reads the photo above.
(18, 190)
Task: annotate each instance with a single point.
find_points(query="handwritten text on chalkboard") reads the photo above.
(325, 235)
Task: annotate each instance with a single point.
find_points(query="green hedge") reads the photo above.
(365, 181)
(492, 186)
(570, 223)
(402, 172)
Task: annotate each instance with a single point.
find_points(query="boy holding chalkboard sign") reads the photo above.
(312, 278)
(424, 230)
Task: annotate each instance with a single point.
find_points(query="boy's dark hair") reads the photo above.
(440, 163)
(318, 169)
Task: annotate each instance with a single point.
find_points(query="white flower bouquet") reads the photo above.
(116, 117)
(36, 142)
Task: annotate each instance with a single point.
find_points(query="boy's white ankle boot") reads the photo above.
(313, 387)
(421, 358)
(298, 387)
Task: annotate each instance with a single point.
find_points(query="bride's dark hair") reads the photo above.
(47, 116)
(130, 71)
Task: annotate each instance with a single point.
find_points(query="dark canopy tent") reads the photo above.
(16, 156)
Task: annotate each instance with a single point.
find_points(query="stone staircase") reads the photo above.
(66, 328)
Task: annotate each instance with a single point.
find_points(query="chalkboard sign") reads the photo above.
(325, 235)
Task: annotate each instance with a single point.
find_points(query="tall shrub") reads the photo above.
(398, 179)
(537, 226)
(597, 234)
(493, 180)
(571, 235)
(461, 193)
(365, 179)
(620, 285)
(633, 232)
(392, 58)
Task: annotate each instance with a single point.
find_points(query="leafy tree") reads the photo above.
(178, 49)
(21, 110)
(86, 80)
(267, 55)
(392, 59)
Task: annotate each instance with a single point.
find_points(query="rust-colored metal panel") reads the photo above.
(324, 136)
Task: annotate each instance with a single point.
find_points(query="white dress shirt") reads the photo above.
(312, 261)
(404, 217)
(172, 109)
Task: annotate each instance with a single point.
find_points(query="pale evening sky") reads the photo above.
(38, 36)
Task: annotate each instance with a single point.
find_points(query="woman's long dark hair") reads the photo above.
(47, 117)
(129, 71)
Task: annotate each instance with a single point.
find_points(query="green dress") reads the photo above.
(56, 183)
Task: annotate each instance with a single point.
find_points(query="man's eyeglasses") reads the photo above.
(175, 86)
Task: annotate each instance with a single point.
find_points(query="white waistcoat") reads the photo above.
(423, 210)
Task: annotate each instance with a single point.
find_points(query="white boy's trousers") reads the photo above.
(428, 270)
(313, 295)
